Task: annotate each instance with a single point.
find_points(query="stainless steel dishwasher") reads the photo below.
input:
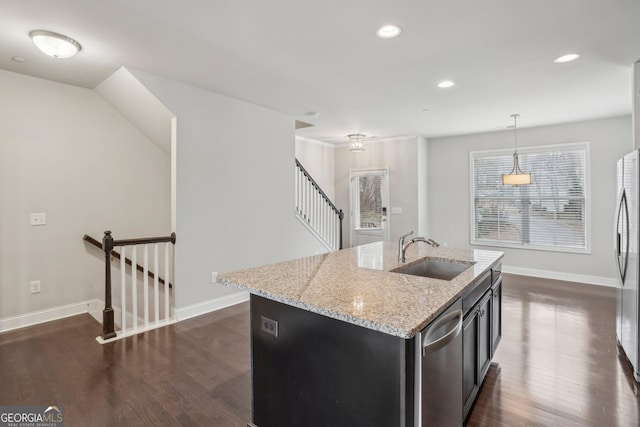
(438, 382)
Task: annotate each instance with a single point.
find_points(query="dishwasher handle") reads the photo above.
(432, 338)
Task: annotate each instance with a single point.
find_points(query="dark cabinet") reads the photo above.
(496, 315)
(482, 330)
(470, 376)
(485, 348)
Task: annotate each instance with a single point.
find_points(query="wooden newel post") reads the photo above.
(341, 216)
(108, 326)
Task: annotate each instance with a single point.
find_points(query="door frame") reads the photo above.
(386, 198)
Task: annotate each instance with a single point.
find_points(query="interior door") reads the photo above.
(369, 206)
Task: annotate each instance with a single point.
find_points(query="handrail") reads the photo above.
(322, 193)
(333, 207)
(129, 242)
(108, 321)
(127, 260)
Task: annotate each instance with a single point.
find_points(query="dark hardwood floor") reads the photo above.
(557, 366)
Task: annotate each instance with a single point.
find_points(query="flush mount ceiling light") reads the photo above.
(388, 31)
(566, 58)
(356, 142)
(54, 44)
(445, 84)
(516, 176)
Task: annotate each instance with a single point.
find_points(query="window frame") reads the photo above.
(523, 151)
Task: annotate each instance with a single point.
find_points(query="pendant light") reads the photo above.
(356, 142)
(516, 176)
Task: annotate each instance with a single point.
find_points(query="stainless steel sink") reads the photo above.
(434, 268)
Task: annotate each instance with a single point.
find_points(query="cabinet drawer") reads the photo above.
(473, 295)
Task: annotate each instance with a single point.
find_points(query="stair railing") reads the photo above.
(108, 314)
(316, 211)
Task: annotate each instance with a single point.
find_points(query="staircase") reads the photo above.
(314, 209)
(142, 299)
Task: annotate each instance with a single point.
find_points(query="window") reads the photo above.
(550, 214)
(368, 212)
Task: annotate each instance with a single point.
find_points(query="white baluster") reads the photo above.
(322, 218)
(306, 199)
(335, 231)
(145, 285)
(123, 290)
(299, 194)
(156, 293)
(167, 247)
(134, 285)
(309, 193)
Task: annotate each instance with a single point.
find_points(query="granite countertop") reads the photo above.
(356, 285)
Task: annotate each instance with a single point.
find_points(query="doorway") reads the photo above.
(369, 196)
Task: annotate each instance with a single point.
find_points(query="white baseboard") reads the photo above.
(557, 275)
(48, 315)
(94, 307)
(211, 305)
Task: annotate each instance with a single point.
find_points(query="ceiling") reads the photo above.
(297, 56)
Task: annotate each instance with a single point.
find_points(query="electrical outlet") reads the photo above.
(214, 277)
(39, 218)
(269, 326)
(36, 287)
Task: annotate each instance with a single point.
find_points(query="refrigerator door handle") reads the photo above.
(623, 252)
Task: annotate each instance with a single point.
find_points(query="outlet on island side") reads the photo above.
(214, 277)
(36, 287)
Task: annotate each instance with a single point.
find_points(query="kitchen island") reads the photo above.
(336, 338)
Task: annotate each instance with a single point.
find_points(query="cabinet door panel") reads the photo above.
(470, 360)
(484, 336)
(496, 316)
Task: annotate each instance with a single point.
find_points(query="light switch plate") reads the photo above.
(36, 287)
(39, 218)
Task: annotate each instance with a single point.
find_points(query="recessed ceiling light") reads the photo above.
(388, 31)
(566, 58)
(445, 84)
(313, 114)
(54, 44)
(425, 110)
(19, 59)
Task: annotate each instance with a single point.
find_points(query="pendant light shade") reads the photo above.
(516, 176)
(356, 142)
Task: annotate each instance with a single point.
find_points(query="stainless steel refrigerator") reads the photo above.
(626, 242)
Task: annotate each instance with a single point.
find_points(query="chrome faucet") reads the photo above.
(402, 246)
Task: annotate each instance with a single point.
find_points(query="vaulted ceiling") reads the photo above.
(297, 57)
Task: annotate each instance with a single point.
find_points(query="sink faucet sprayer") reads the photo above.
(402, 246)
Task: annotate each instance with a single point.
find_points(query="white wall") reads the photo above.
(423, 186)
(235, 188)
(636, 103)
(67, 152)
(128, 96)
(401, 157)
(319, 159)
(449, 202)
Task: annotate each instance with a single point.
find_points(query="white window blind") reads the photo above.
(369, 202)
(552, 213)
